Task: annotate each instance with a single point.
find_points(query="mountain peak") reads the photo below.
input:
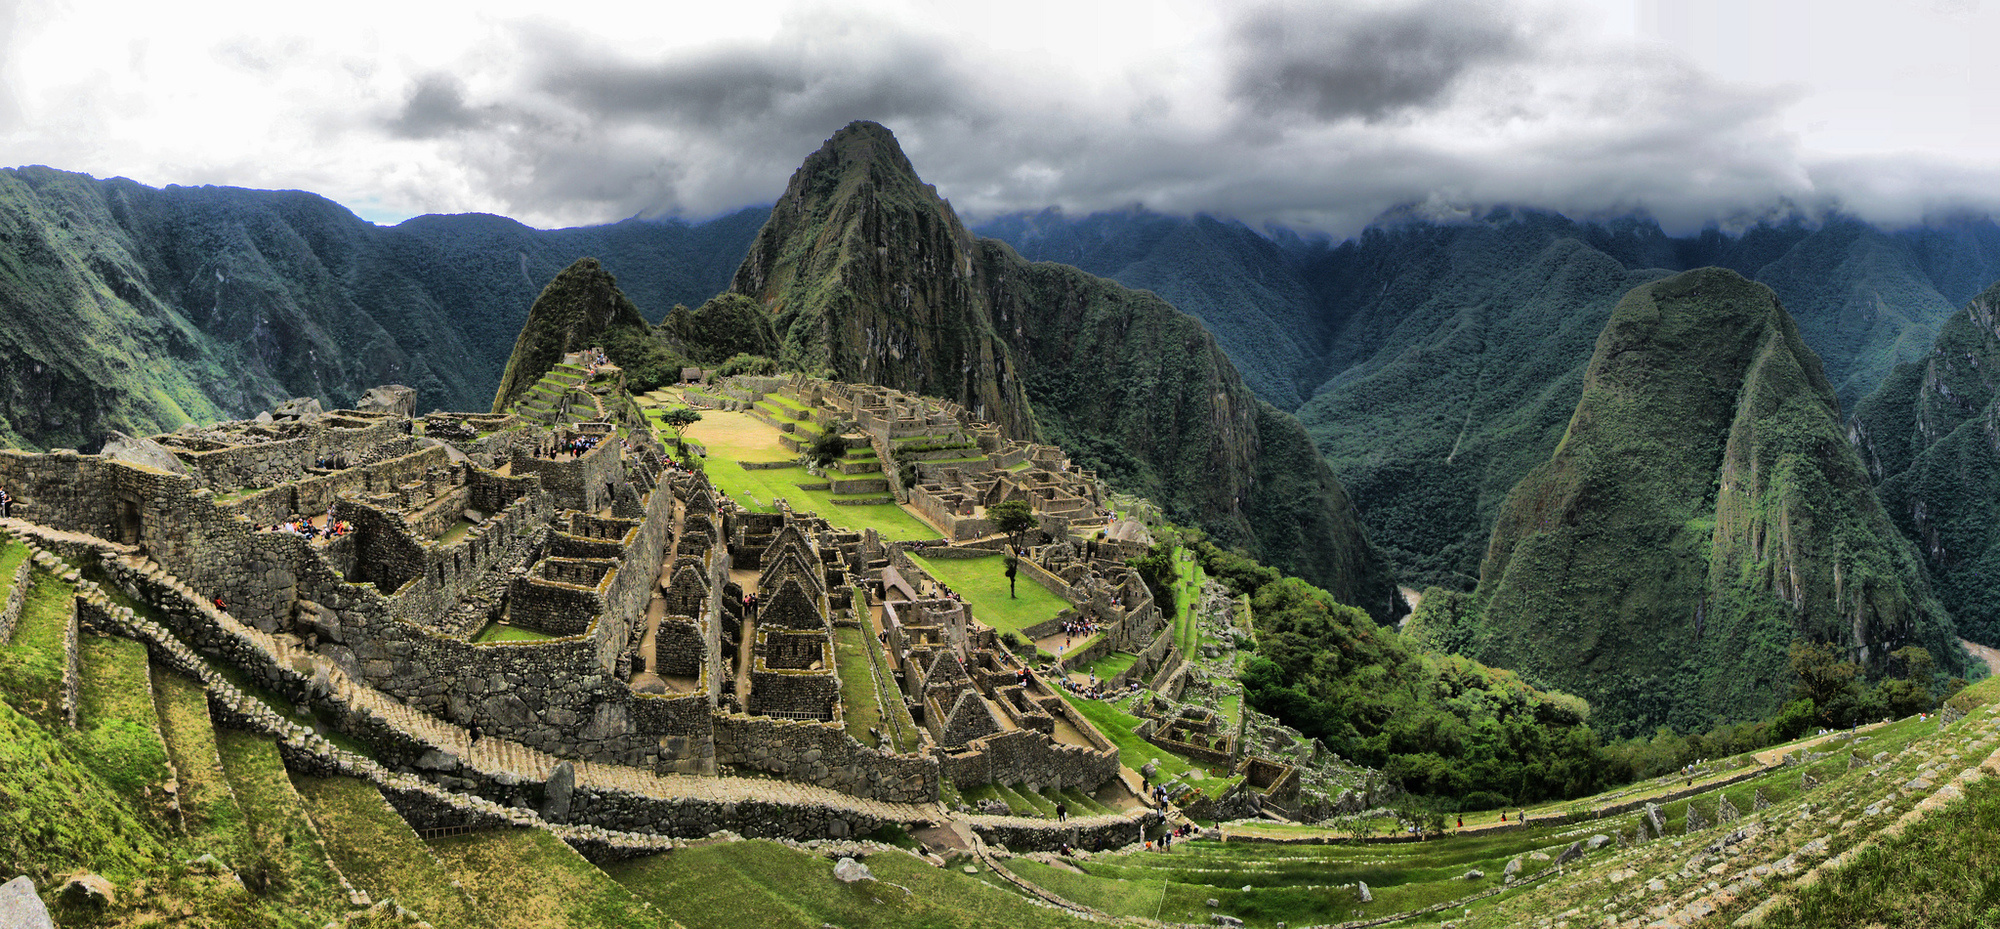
(573, 312)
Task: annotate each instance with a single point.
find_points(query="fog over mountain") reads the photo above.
(1314, 115)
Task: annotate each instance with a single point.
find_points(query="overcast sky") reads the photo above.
(1318, 115)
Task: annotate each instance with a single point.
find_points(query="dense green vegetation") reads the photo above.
(721, 328)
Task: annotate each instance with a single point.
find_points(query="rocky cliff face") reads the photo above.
(1701, 512)
(1931, 439)
(871, 276)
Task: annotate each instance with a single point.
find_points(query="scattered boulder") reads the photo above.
(20, 908)
(88, 890)
(1224, 919)
(1361, 892)
(1151, 769)
(1573, 852)
(1513, 868)
(1212, 902)
(1473, 875)
(393, 399)
(556, 794)
(1655, 819)
(847, 871)
(298, 409)
(1695, 821)
(143, 452)
(1597, 841)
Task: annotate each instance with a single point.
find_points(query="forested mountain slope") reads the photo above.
(1931, 439)
(1432, 355)
(138, 309)
(1700, 513)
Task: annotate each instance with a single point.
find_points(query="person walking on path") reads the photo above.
(1062, 811)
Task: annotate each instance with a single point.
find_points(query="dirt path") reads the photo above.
(1989, 655)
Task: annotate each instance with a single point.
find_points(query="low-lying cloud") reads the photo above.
(1310, 114)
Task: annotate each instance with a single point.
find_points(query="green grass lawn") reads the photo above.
(983, 583)
(860, 705)
(1111, 665)
(495, 632)
(764, 885)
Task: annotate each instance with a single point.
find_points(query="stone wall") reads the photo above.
(266, 464)
(17, 597)
(823, 754)
(1023, 756)
(1046, 836)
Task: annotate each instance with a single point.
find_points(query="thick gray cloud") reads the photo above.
(436, 106)
(1308, 114)
(1345, 61)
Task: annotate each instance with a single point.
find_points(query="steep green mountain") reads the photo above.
(869, 275)
(1436, 360)
(1699, 514)
(1931, 439)
(131, 308)
(583, 308)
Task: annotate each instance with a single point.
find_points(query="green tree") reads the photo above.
(679, 419)
(1828, 679)
(1013, 517)
(830, 447)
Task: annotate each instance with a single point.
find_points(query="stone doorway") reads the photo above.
(130, 524)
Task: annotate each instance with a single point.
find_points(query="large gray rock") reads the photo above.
(1513, 868)
(847, 871)
(142, 452)
(450, 451)
(1361, 892)
(393, 399)
(20, 908)
(1599, 841)
(556, 795)
(299, 409)
(1573, 852)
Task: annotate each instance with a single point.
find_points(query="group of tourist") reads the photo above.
(302, 526)
(1085, 626)
(6, 503)
(328, 463)
(575, 447)
(1095, 689)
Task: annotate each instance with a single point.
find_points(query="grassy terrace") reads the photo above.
(738, 437)
(764, 885)
(860, 702)
(528, 879)
(214, 819)
(1116, 724)
(983, 583)
(379, 853)
(31, 664)
(1188, 580)
(287, 853)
